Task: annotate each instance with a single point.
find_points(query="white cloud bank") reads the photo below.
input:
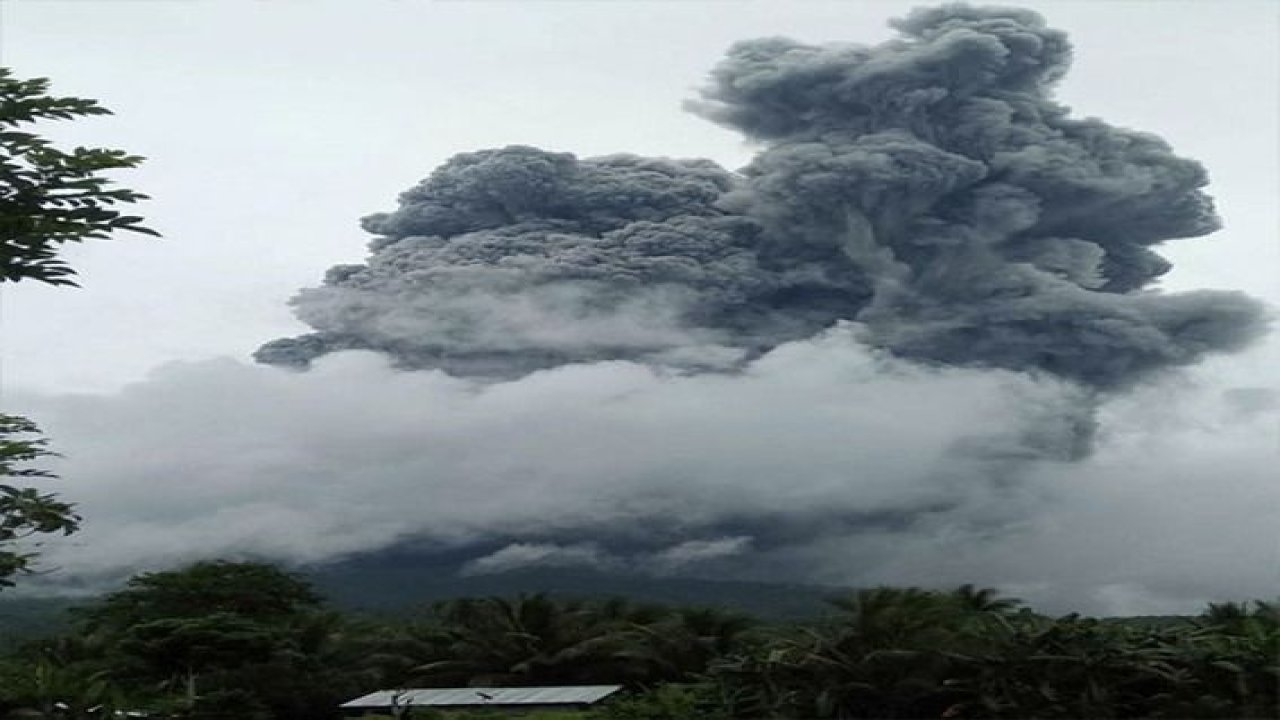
(824, 461)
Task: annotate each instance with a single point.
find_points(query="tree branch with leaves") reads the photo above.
(26, 511)
(50, 197)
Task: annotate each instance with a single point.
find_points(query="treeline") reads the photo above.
(247, 641)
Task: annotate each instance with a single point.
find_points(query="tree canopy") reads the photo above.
(50, 197)
(26, 511)
(253, 591)
(218, 635)
(247, 641)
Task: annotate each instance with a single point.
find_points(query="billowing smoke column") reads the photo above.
(928, 189)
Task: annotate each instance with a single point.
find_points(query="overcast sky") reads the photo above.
(270, 128)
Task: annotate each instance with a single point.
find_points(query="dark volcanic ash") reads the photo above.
(928, 189)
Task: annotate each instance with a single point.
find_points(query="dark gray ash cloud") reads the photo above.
(509, 260)
(928, 188)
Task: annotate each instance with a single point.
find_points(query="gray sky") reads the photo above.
(271, 127)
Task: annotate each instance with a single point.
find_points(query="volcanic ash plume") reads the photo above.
(928, 189)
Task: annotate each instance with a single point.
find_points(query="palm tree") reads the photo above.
(680, 646)
(527, 640)
(984, 600)
(1236, 658)
(75, 688)
(883, 654)
(1230, 616)
(886, 618)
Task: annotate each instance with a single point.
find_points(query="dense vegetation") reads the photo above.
(248, 641)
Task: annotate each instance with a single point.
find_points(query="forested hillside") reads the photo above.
(222, 640)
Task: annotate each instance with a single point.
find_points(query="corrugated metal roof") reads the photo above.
(440, 697)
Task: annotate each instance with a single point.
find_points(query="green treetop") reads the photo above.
(50, 197)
